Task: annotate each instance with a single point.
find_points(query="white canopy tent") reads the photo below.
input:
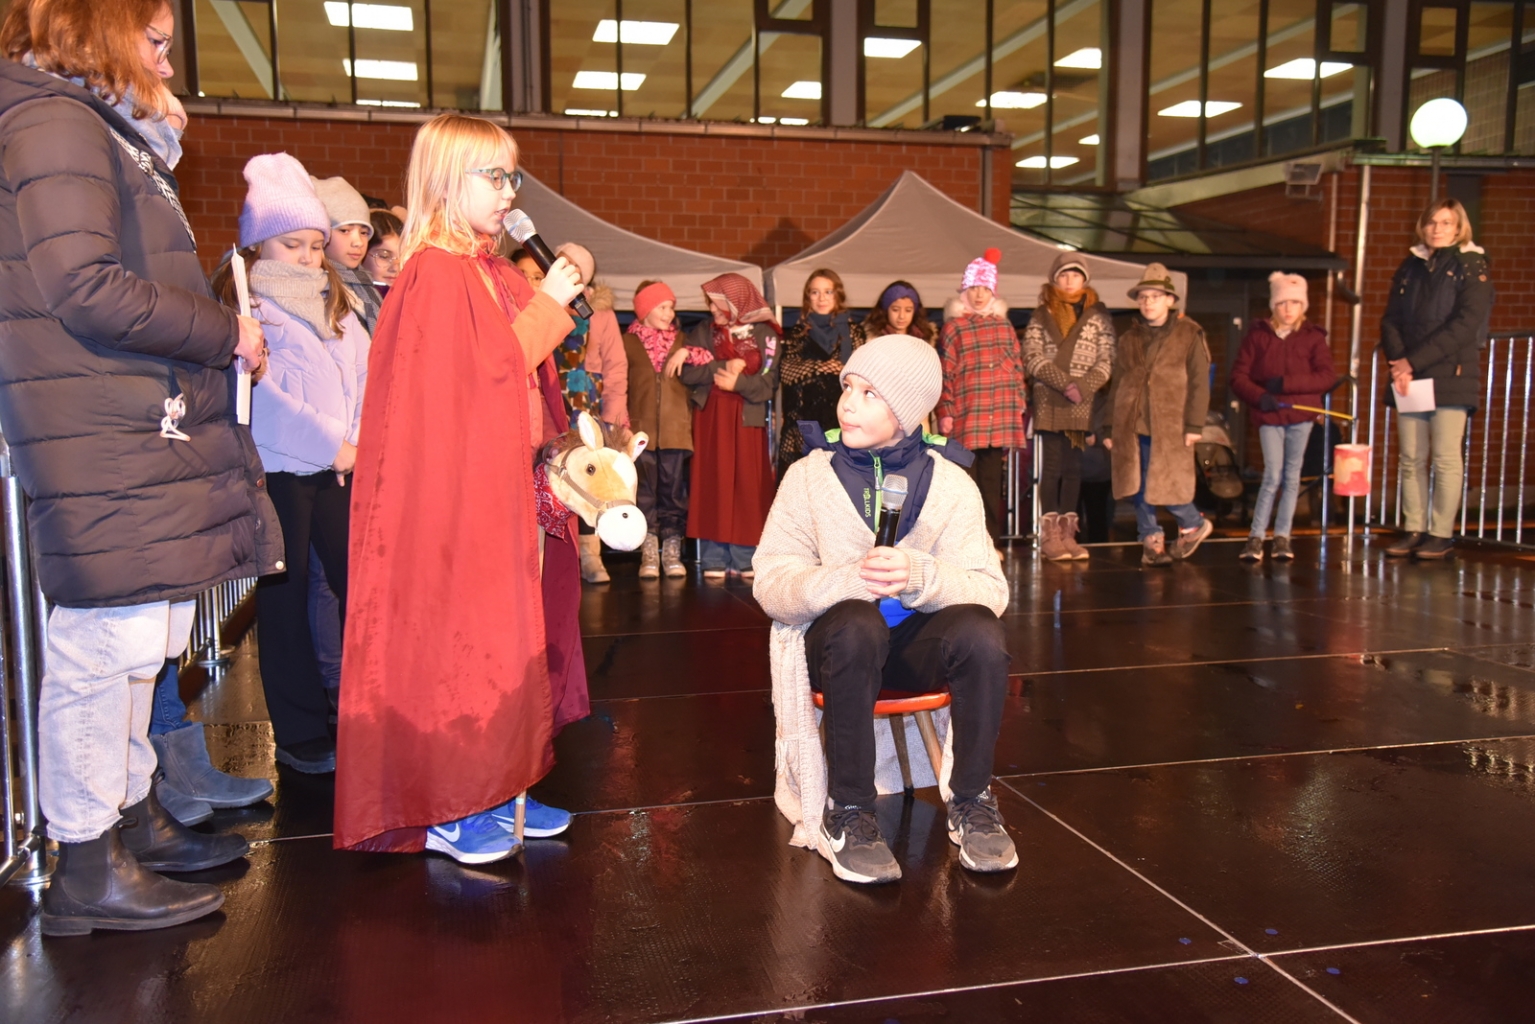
(624, 259)
(916, 233)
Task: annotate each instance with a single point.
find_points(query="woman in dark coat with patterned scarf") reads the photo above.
(814, 350)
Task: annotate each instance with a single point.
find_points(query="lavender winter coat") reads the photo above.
(311, 397)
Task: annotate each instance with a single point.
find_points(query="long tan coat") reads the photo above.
(1170, 370)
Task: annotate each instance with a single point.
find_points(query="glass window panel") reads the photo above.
(234, 50)
(663, 93)
(583, 73)
(791, 79)
(1079, 93)
(1022, 56)
(466, 58)
(1230, 136)
(1490, 30)
(893, 89)
(789, 10)
(1345, 103)
(391, 62)
(958, 68)
(896, 13)
(1349, 27)
(1436, 32)
(1171, 141)
(1291, 53)
(722, 60)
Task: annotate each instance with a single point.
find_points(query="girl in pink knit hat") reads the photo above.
(1284, 361)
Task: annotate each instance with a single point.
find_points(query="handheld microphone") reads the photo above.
(892, 498)
(520, 226)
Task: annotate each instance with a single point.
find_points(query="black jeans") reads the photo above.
(852, 655)
(989, 471)
(1097, 508)
(313, 510)
(1060, 478)
(665, 476)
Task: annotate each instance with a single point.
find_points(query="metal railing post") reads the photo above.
(24, 669)
(1524, 445)
(1508, 396)
(1369, 498)
(1481, 512)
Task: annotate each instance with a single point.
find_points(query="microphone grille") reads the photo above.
(519, 225)
(894, 491)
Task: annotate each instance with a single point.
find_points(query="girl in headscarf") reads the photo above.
(814, 350)
(730, 366)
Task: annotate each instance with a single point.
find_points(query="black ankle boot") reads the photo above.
(161, 843)
(99, 884)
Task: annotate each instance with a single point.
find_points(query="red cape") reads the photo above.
(460, 662)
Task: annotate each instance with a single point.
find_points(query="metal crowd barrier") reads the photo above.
(1495, 456)
(23, 639)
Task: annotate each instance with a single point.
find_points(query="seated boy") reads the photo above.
(910, 617)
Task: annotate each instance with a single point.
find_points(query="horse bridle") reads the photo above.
(560, 471)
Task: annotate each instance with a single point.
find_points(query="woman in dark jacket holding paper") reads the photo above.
(116, 398)
(1434, 328)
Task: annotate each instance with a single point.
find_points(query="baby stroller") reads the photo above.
(1218, 482)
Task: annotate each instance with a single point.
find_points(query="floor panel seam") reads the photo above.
(1237, 661)
(1431, 937)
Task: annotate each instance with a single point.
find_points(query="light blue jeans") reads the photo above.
(1436, 436)
(714, 554)
(1283, 449)
(1146, 525)
(94, 707)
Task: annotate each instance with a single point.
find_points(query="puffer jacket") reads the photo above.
(105, 316)
(1300, 361)
(311, 397)
(1437, 319)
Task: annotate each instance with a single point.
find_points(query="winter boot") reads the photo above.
(1069, 538)
(671, 558)
(99, 884)
(1154, 551)
(161, 843)
(184, 807)
(650, 558)
(183, 754)
(592, 569)
(1051, 549)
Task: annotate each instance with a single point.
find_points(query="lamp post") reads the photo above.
(1436, 126)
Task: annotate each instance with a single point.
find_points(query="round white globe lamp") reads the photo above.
(1436, 126)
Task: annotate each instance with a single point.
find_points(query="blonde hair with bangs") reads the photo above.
(1462, 220)
(446, 147)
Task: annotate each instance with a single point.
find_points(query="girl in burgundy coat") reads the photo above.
(1284, 362)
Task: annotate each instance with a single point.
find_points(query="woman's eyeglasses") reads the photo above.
(499, 177)
(161, 44)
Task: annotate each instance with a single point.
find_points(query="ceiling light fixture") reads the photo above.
(388, 103)
(384, 70)
(794, 120)
(607, 80)
(802, 90)
(1303, 69)
(382, 16)
(1190, 108)
(583, 112)
(1089, 58)
(1089, 140)
(1014, 100)
(1056, 162)
(636, 33)
(874, 46)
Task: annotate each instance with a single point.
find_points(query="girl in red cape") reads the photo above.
(462, 656)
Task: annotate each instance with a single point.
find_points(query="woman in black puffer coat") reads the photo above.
(116, 401)
(1434, 328)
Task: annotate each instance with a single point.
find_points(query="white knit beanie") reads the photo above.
(907, 373)
(1284, 286)
(280, 199)
(343, 203)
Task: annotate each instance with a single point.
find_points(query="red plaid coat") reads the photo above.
(983, 383)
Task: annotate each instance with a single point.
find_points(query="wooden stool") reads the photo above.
(895, 706)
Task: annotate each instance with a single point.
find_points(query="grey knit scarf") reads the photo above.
(298, 291)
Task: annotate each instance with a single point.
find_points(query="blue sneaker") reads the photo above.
(477, 839)
(539, 820)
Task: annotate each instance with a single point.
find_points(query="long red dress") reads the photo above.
(732, 487)
(460, 660)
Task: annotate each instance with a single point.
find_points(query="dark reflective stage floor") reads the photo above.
(1277, 793)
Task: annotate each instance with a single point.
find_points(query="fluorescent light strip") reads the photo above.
(607, 80)
(382, 70)
(802, 90)
(382, 16)
(1190, 108)
(1089, 58)
(1089, 140)
(1056, 162)
(388, 103)
(635, 33)
(873, 46)
(1014, 100)
(1303, 69)
(582, 112)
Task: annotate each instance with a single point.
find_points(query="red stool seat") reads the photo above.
(896, 702)
(892, 705)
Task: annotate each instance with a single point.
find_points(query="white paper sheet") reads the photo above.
(242, 369)
(1419, 397)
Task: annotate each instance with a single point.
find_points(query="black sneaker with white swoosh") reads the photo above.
(858, 851)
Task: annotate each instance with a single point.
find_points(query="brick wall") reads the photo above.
(754, 198)
(1397, 197)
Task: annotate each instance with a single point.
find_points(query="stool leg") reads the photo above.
(520, 819)
(898, 733)
(930, 740)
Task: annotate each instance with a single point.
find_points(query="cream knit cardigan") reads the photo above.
(807, 562)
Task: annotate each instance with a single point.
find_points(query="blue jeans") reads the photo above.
(168, 713)
(1283, 449)
(714, 554)
(1146, 515)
